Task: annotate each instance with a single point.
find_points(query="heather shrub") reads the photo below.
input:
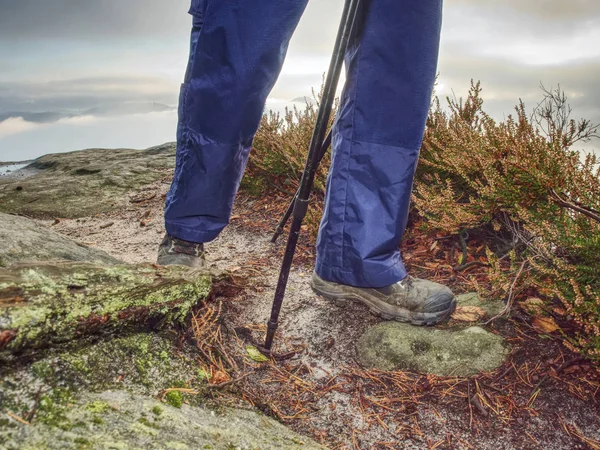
(523, 183)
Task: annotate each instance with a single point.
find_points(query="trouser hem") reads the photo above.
(190, 234)
(387, 277)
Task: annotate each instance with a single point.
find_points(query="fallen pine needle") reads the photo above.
(17, 418)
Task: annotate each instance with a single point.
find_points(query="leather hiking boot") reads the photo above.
(173, 251)
(419, 302)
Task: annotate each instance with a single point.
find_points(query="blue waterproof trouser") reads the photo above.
(237, 50)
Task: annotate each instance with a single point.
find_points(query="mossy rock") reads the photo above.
(24, 240)
(121, 420)
(107, 394)
(48, 304)
(85, 182)
(144, 363)
(399, 346)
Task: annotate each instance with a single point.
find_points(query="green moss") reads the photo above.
(42, 370)
(97, 420)
(174, 398)
(82, 443)
(53, 408)
(147, 423)
(61, 297)
(97, 407)
(157, 410)
(179, 384)
(80, 365)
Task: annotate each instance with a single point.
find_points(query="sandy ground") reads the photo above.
(323, 375)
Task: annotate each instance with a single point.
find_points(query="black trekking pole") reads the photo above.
(314, 156)
(290, 209)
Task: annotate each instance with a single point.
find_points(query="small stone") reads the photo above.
(400, 346)
(491, 307)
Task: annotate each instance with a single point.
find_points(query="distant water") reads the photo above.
(4, 170)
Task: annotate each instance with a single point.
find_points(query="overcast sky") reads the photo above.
(106, 73)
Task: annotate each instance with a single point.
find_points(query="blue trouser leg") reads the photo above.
(391, 70)
(236, 53)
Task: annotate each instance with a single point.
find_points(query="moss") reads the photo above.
(97, 420)
(179, 384)
(82, 443)
(53, 408)
(97, 407)
(61, 298)
(42, 370)
(146, 422)
(174, 398)
(157, 410)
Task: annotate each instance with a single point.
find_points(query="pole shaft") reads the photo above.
(312, 162)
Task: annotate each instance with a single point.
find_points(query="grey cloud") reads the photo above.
(556, 10)
(30, 20)
(44, 102)
(82, 19)
(504, 83)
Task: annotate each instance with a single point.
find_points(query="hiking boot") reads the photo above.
(419, 302)
(177, 251)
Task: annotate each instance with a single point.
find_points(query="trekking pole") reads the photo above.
(314, 155)
(288, 213)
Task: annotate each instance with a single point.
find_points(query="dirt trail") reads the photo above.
(321, 391)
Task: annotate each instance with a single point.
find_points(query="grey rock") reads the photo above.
(108, 395)
(120, 420)
(22, 240)
(398, 346)
(85, 182)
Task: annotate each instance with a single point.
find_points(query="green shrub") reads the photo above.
(521, 180)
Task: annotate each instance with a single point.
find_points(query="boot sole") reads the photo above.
(382, 309)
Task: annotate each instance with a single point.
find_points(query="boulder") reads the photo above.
(450, 352)
(123, 393)
(121, 420)
(24, 240)
(85, 182)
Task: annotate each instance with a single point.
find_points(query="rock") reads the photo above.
(24, 240)
(121, 420)
(85, 182)
(53, 303)
(144, 363)
(491, 307)
(399, 346)
(107, 395)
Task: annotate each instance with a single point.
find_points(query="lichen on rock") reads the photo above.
(45, 304)
(399, 346)
(129, 422)
(84, 182)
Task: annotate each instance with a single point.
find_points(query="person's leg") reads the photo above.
(236, 53)
(391, 69)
